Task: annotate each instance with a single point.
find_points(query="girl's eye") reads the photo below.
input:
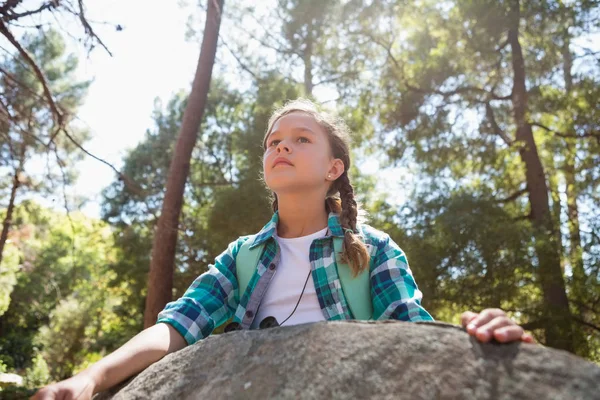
(301, 139)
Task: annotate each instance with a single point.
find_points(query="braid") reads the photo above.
(349, 211)
(355, 252)
(333, 205)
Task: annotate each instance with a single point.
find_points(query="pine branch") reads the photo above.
(490, 95)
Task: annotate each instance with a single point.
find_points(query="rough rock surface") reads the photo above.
(360, 360)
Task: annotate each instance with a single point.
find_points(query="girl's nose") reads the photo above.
(281, 146)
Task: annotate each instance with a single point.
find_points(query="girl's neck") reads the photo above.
(301, 216)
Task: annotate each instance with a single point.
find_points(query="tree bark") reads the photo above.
(557, 316)
(556, 209)
(11, 203)
(160, 280)
(307, 58)
(575, 249)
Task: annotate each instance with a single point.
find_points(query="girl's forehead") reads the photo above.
(296, 119)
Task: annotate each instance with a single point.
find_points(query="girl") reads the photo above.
(305, 164)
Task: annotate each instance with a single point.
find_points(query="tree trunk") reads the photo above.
(557, 315)
(307, 58)
(11, 203)
(575, 249)
(553, 177)
(160, 280)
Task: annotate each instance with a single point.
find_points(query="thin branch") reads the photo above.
(10, 16)
(131, 184)
(567, 135)
(268, 45)
(88, 28)
(9, 4)
(54, 108)
(21, 84)
(513, 196)
(490, 95)
(240, 62)
(502, 46)
(8, 34)
(591, 308)
(489, 113)
(335, 78)
(589, 324)
(527, 217)
(261, 24)
(387, 48)
(464, 90)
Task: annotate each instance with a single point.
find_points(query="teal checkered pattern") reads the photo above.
(214, 296)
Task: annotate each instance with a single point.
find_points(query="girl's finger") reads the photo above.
(467, 317)
(509, 333)
(483, 318)
(485, 332)
(527, 338)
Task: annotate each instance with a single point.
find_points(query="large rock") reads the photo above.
(359, 360)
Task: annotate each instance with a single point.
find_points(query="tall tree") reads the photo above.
(294, 37)
(557, 318)
(457, 94)
(27, 126)
(16, 13)
(160, 282)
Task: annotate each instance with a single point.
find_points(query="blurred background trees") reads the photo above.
(480, 117)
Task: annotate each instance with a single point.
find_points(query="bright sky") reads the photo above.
(151, 59)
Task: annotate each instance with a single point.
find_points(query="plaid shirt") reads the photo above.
(214, 297)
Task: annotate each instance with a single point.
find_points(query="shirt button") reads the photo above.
(272, 266)
(249, 314)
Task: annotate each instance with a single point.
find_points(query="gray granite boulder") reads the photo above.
(361, 360)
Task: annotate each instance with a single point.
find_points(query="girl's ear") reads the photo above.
(335, 170)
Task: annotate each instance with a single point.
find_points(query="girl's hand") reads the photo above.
(494, 323)
(79, 387)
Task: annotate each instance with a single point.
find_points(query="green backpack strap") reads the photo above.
(357, 290)
(246, 262)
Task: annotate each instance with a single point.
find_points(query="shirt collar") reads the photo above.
(267, 232)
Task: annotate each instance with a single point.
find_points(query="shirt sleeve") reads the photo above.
(394, 291)
(210, 300)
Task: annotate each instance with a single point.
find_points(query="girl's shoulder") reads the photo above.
(372, 236)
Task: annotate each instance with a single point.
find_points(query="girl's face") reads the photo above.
(298, 156)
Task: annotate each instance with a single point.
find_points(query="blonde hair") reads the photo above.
(354, 250)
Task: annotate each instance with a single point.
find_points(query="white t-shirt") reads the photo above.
(286, 285)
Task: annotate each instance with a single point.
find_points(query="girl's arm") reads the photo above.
(208, 302)
(141, 351)
(394, 291)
